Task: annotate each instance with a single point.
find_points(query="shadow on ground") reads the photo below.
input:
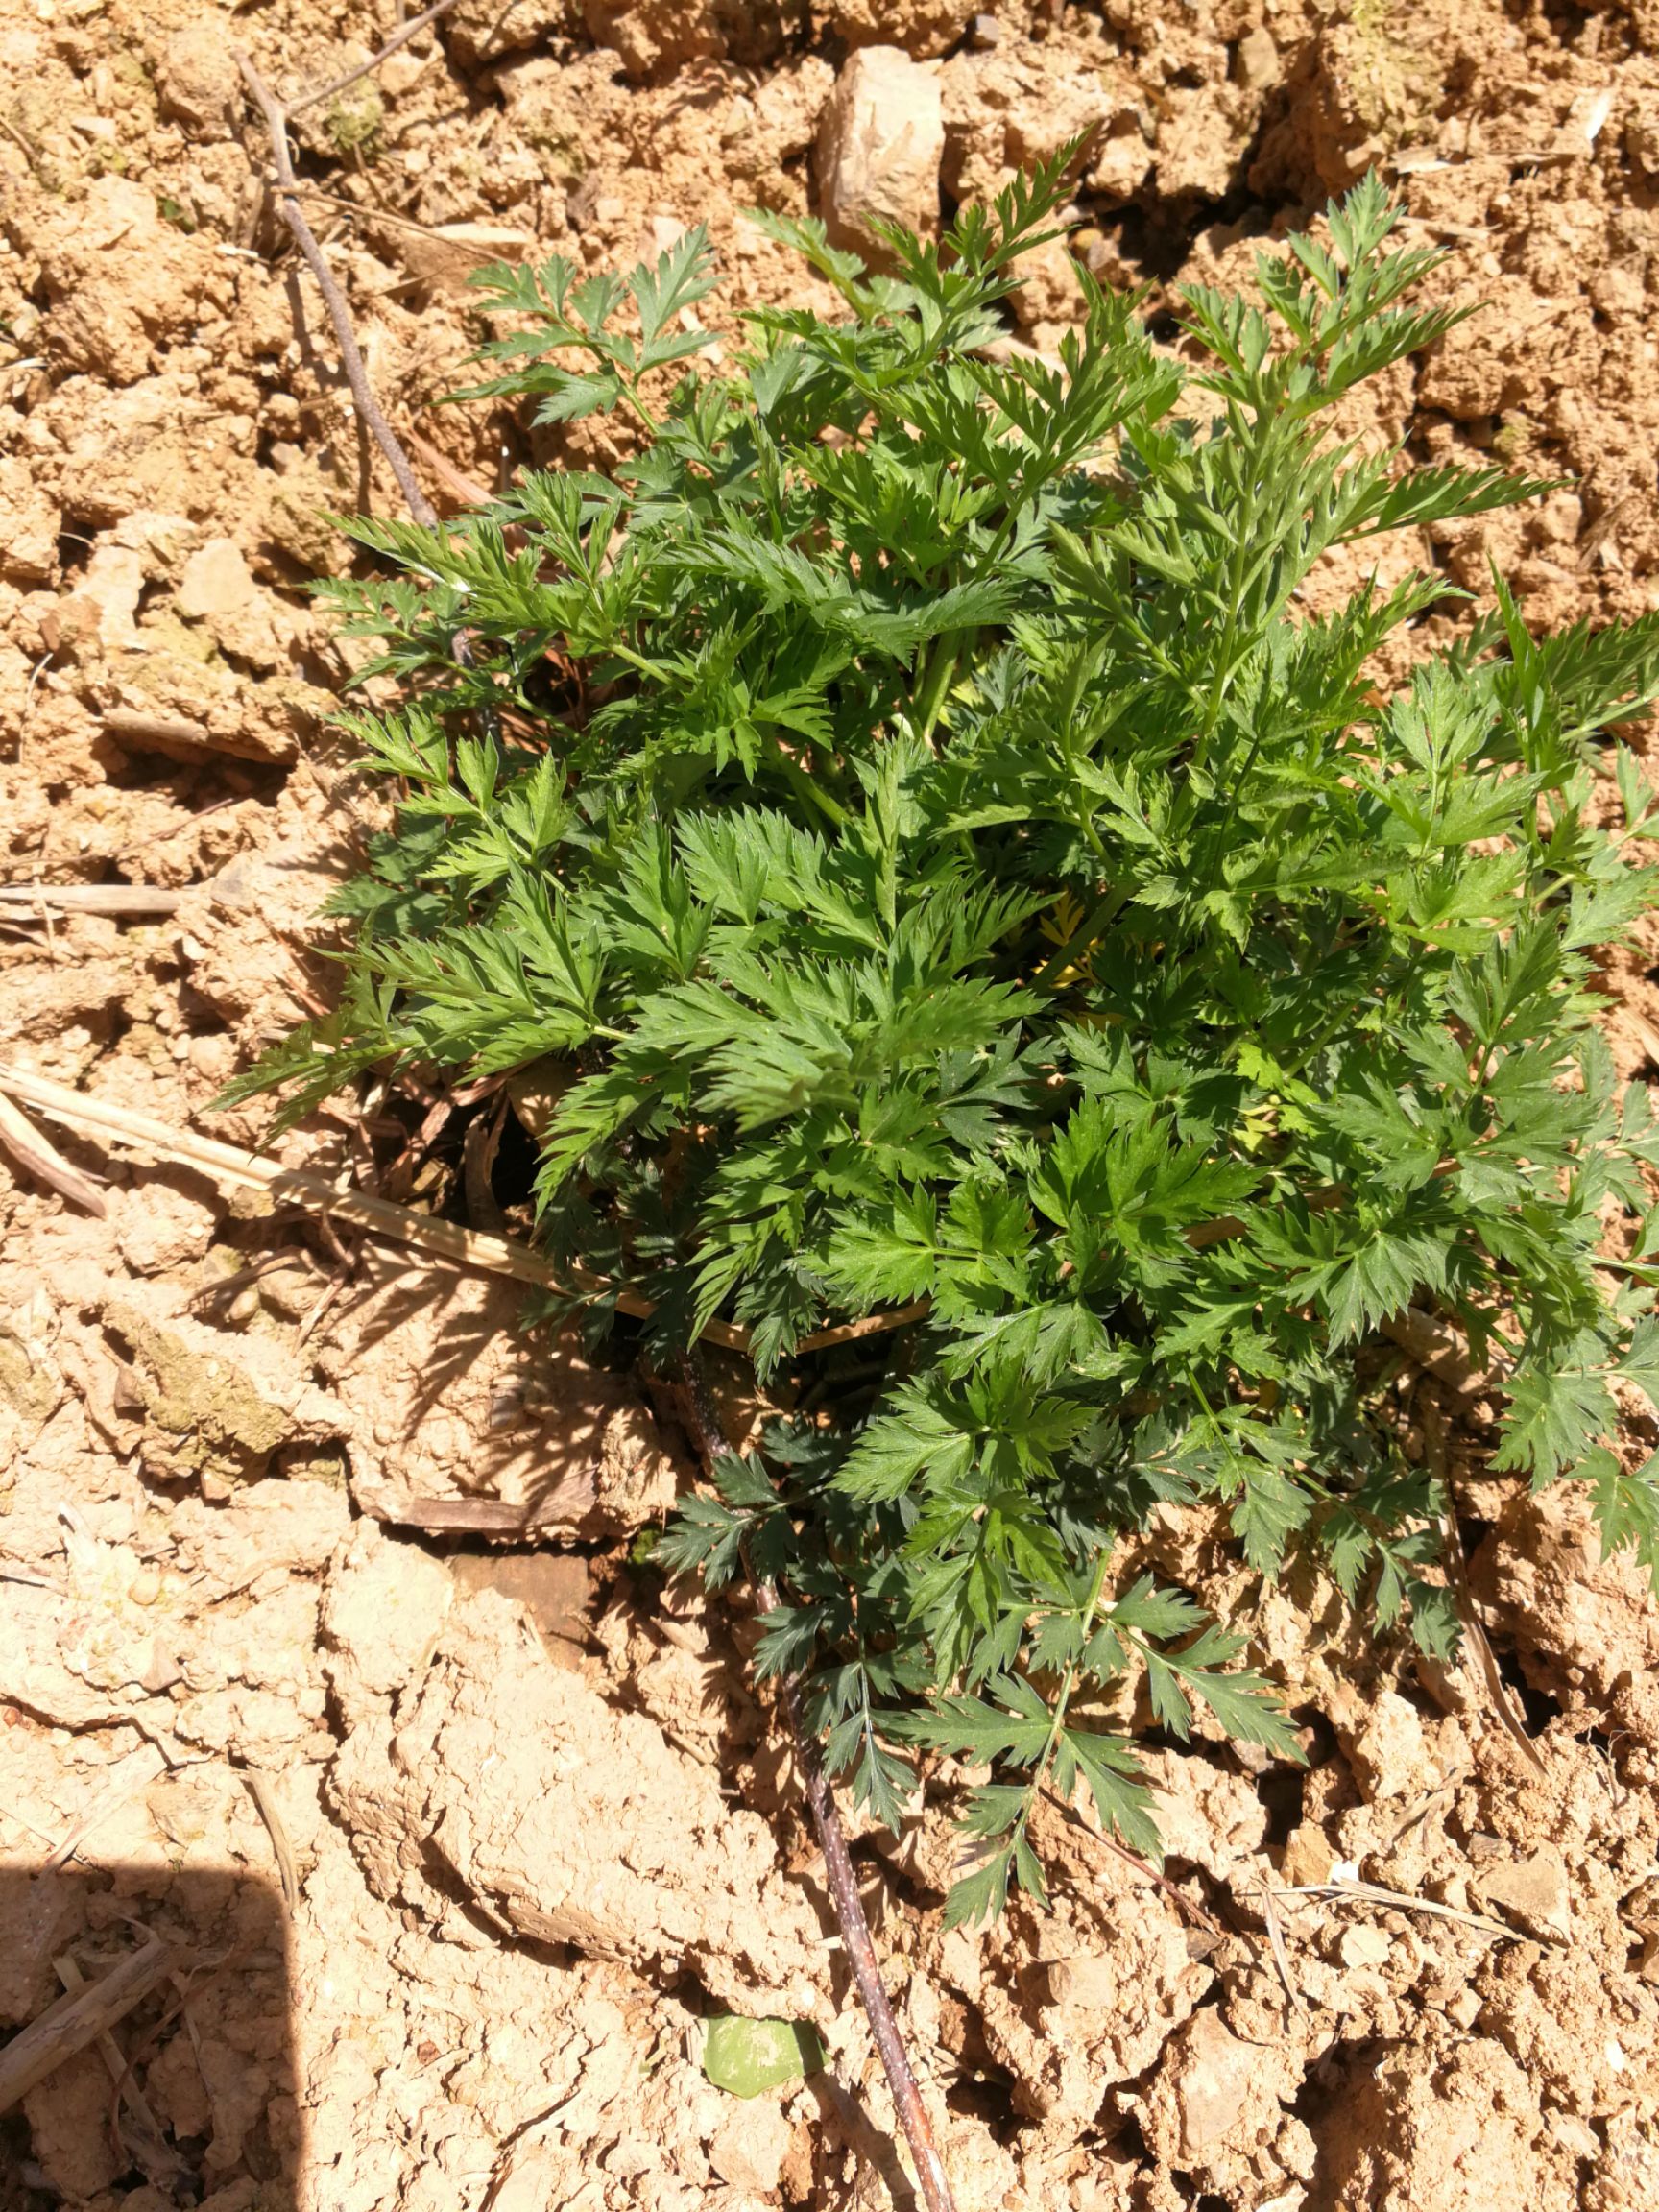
(188, 2097)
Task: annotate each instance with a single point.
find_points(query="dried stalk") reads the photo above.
(1397, 1900)
(339, 314)
(843, 1886)
(143, 2141)
(236, 1170)
(24, 1145)
(77, 2020)
(1509, 1719)
(125, 901)
(171, 734)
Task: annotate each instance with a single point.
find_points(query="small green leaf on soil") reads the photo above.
(749, 2056)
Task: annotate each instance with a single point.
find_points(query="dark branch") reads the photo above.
(333, 298)
(856, 1937)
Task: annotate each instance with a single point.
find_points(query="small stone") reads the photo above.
(750, 2146)
(881, 141)
(660, 235)
(1363, 1945)
(400, 72)
(1258, 59)
(1092, 1983)
(984, 32)
(157, 1226)
(1391, 1754)
(1642, 132)
(1050, 290)
(196, 78)
(1533, 1893)
(446, 257)
(216, 581)
(1118, 169)
(1213, 2081)
(1308, 1858)
(384, 1604)
(1464, 2009)
(29, 526)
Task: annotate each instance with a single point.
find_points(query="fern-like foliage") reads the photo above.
(958, 875)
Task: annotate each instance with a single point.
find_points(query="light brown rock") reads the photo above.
(1258, 59)
(923, 28)
(505, 1776)
(1533, 1893)
(749, 2149)
(1213, 2092)
(1050, 290)
(384, 1606)
(29, 522)
(217, 580)
(445, 258)
(107, 594)
(196, 78)
(879, 146)
(1390, 1752)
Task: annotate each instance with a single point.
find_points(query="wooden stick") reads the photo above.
(229, 1164)
(24, 1144)
(333, 298)
(264, 1796)
(849, 1916)
(471, 1516)
(77, 2020)
(1509, 1719)
(131, 901)
(159, 2163)
(1435, 1345)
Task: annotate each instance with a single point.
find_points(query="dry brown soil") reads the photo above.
(533, 1822)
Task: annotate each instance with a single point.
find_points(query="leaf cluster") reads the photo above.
(957, 872)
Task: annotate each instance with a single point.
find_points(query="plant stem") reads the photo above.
(854, 1927)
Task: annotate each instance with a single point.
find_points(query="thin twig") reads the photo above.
(258, 1787)
(1276, 1943)
(339, 314)
(464, 486)
(25, 1145)
(1373, 1894)
(1133, 1859)
(843, 1886)
(146, 2144)
(31, 152)
(127, 902)
(411, 30)
(78, 2019)
(229, 1164)
(1437, 1347)
(1457, 1576)
(136, 1774)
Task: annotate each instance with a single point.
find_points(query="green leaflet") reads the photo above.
(747, 2057)
(953, 874)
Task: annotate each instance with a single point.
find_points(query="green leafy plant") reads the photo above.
(357, 127)
(982, 916)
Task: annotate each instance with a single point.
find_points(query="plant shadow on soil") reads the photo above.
(207, 2113)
